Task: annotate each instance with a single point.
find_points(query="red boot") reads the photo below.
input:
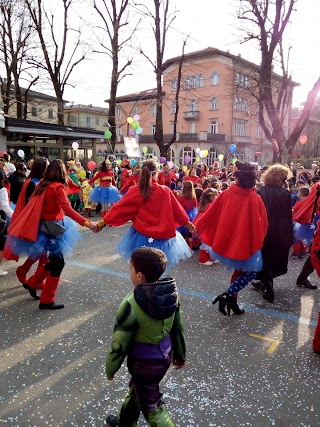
(23, 270)
(48, 293)
(37, 279)
(204, 258)
(316, 338)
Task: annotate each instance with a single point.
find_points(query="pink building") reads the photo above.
(216, 109)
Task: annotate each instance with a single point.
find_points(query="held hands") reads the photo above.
(93, 226)
(191, 227)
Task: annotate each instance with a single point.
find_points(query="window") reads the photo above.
(201, 80)
(97, 121)
(240, 104)
(188, 83)
(173, 107)
(88, 121)
(50, 114)
(215, 78)
(195, 81)
(258, 131)
(187, 151)
(214, 126)
(214, 103)
(119, 113)
(34, 111)
(193, 105)
(242, 80)
(119, 130)
(135, 110)
(171, 128)
(192, 127)
(175, 83)
(154, 109)
(153, 129)
(240, 127)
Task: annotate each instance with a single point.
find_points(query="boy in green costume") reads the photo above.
(149, 331)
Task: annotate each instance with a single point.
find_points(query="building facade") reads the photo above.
(217, 107)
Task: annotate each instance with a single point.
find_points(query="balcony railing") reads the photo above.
(191, 115)
(236, 139)
(186, 137)
(218, 137)
(150, 138)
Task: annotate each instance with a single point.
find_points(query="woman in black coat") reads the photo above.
(279, 238)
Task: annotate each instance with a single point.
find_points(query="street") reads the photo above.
(257, 369)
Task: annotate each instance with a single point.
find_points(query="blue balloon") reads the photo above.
(139, 131)
(233, 148)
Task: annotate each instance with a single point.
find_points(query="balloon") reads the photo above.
(133, 162)
(2, 153)
(155, 158)
(82, 173)
(139, 131)
(91, 165)
(205, 152)
(198, 159)
(135, 125)
(21, 153)
(136, 117)
(234, 161)
(221, 157)
(132, 132)
(32, 150)
(118, 162)
(144, 150)
(314, 166)
(108, 134)
(11, 167)
(303, 139)
(184, 168)
(232, 148)
(170, 164)
(129, 120)
(187, 159)
(75, 145)
(198, 150)
(163, 160)
(201, 154)
(11, 150)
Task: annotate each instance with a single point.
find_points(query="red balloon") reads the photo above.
(303, 139)
(91, 165)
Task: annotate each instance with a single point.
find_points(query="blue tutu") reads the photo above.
(192, 213)
(254, 263)
(305, 232)
(105, 195)
(62, 244)
(175, 248)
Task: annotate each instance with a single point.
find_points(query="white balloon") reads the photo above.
(198, 150)
(75, 145)
(21, 153)
(11, 167)
(201, 153)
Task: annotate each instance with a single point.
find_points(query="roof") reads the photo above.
(87, 108)
(137, 96)
(36, 94)
(210, 51)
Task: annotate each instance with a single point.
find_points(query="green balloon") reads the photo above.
(135, 125)
(234, 161)
(108, 134)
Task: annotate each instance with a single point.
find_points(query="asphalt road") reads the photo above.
(257, 369)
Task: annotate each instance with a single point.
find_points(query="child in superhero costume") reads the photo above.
(149, 332)
(235, 226)
(155, 214)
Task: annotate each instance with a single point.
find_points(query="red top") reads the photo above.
(106, 179)
(193, 178)
(51, 205)
(204, 174)
(302, 210)
(235, 224)
(166, 180)
(187, 204)
(132, 180)
(125, 173)
(156, 217)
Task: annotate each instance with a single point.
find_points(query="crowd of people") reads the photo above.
(174, 211)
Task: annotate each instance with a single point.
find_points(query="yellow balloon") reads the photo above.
(129, 120)
(32, 150)
(197, 159)
(206, 152)
(82, 174)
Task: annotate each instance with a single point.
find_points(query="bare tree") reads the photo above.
(161, 20)
(115, 17)
(268, 20)
(55, 41)
(16, 42)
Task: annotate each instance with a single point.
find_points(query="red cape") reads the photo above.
(302, 211)
(235, 224)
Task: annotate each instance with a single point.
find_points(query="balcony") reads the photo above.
(150, 138)
(237, 139)
(188, 137)
(217, 137)
(191, 115)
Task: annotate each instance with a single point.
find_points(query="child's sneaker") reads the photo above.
(215, 261)
(294, 256)
(206, 263)
(3, 273)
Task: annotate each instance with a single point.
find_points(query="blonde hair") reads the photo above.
(276, 175)
(188, 190)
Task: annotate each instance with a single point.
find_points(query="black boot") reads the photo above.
(305, 283)
(223, 302)
(52, 306)
(258, 286)
(112, 420)
(32, 291)
(302, 279)
(234, 306)
(268, 296)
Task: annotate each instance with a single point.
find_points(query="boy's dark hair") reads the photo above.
(304, 191)
(315, 179)
(198, 192)
(246, 174)
(151, 262)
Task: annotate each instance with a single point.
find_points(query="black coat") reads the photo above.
(279, 238)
